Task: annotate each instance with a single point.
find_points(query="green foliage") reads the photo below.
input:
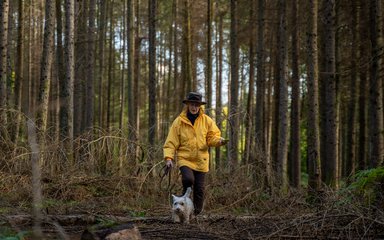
(304, 179)
(366, 184)
(303, 145)
(134, 213)
(103, 223)
(6, 233)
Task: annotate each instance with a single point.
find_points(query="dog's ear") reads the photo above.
(173, 198)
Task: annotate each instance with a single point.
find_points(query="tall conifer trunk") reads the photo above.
(45, 67)
(295, 164)
(375, 110)
(4, 11)
(234, 89)
(19, 69)
(313, 151)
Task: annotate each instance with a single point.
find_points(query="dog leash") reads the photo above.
(166, 170)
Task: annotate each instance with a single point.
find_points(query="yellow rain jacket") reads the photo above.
(191, 142)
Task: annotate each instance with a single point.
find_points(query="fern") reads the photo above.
(366, 182)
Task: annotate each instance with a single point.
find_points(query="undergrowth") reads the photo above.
(110, 174)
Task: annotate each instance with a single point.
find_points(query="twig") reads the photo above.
(146, 176)
(219, 209)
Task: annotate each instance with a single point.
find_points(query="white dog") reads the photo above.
(182, 207)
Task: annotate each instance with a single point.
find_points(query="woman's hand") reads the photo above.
(169, 163)
(223, 141)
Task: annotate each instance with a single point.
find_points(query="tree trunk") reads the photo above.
(375, 115)
(351, 129)
(45, 70)
(28, 91)
(208, 77)
(130, 74)
(80, 70)
(170, 99)
(10, 70)
(313, 164)
(275, 108)
(282, 151)
(175, 83)
(187, 48)
(4, 11)
(136, 119)
(260, 84)
(122, 98)
(363, 86)
(295, 158)
(267, 122)
(152, 121)
(102, 23)
(219, 77)
(110, 65)
(233, 105)
(330, 158)
(89, 110)
(250, 98)
(66, 95)
(19, 69)
(59, 60)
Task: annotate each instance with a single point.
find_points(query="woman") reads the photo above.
(189, 138)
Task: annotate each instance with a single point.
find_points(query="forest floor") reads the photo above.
(320, 225)
(233, 210)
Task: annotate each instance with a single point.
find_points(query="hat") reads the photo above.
(194, 97)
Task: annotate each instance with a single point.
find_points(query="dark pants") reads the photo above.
(194, 179)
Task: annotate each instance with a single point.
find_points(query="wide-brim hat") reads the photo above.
(194, 97)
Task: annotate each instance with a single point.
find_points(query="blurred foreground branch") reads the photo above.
(36, 177)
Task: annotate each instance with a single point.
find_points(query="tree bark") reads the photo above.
(45, 70)
(136, 78)
(170, 99)
(110, 65)
(208, 74)
(174, 48)
(152, 120)
(295, 166)
(4, 11)
(19, 70)
(260, 84)
(282, 152)
(250, 98)
(375, 115)
(233, 105)
(186, 54)
(130, 74)
(102, 23)
(80, 70)
(219, 77)
(330, 158)
(89, 110)
(59, 63)
(275, 106)
(351, 129)
(66, 94)
(363, 85)
(313, 164)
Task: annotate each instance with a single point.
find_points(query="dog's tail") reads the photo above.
(188, 192)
